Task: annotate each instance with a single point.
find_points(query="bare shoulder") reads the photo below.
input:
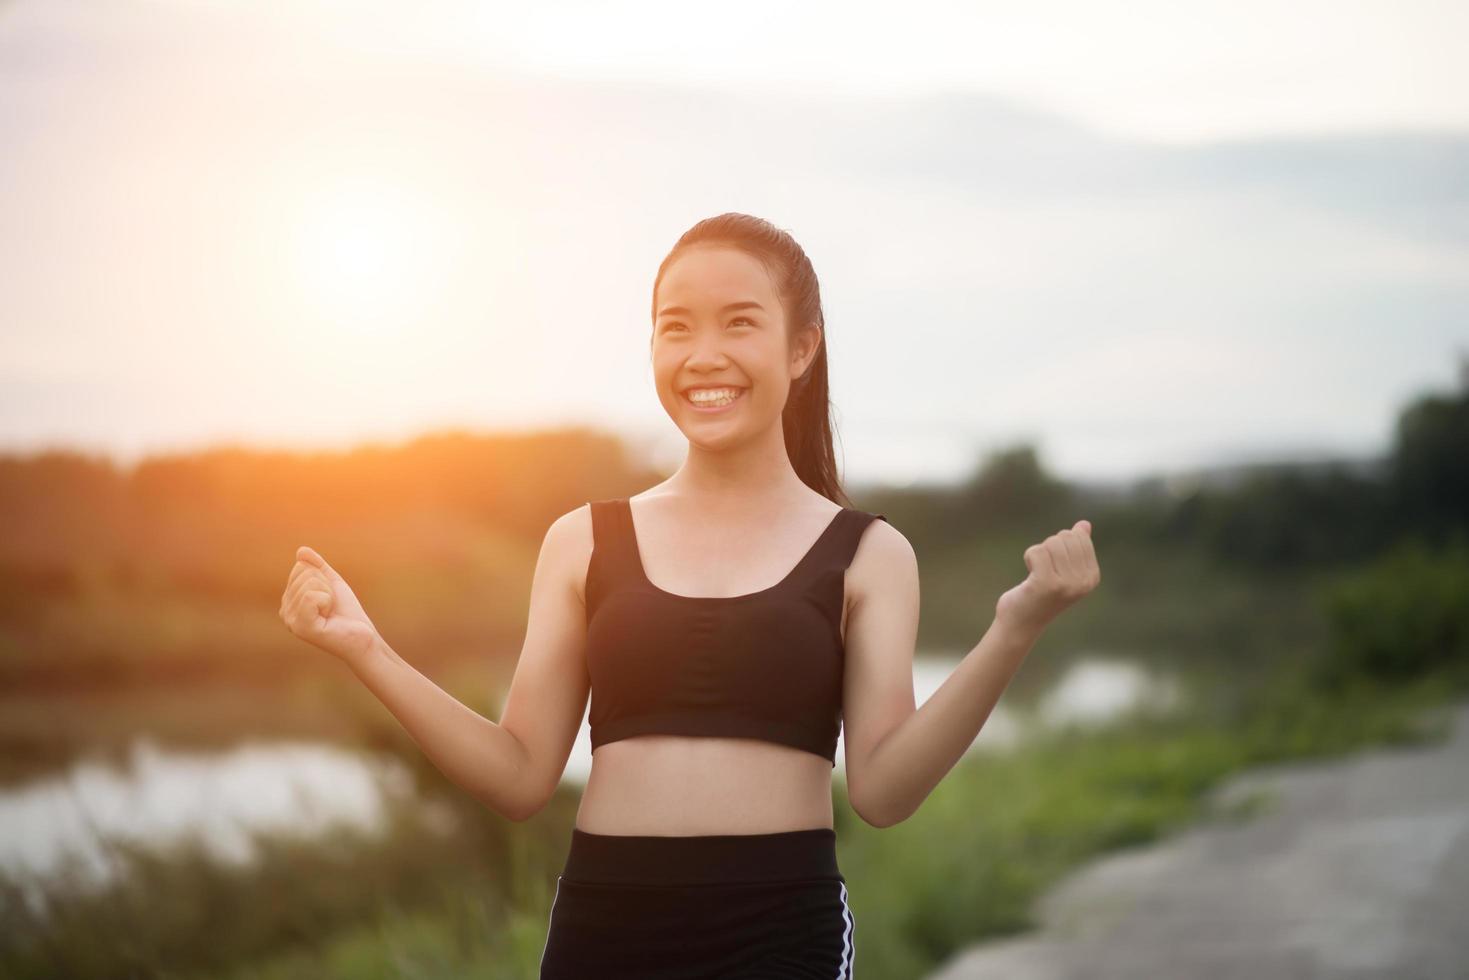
(884, 562)
(567, 548)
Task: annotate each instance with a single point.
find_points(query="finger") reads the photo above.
(313, 558)
(1084, 526)
(320, 601)
(293, 590)
(1056, 544)
(1038, 560)
(297, 570)
(306, 615)
(316, 583)
(311, 580)
(1075, 551)
(293, 587)
(1089, 549)
(311, 555)
(295, 619)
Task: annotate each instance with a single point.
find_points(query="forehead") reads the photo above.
(710, 276)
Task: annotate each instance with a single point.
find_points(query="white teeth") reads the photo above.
(713, 397)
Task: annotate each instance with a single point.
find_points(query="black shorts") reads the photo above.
(722, 907)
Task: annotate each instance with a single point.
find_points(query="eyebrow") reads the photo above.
(742, 305)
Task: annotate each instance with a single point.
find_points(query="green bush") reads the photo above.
(1403, 617)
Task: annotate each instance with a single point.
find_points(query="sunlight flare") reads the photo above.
(368, 251)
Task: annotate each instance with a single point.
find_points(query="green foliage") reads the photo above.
(1430, 463)
(173, 569)
(1294, 518)
(1297, 516)
(1403, 616)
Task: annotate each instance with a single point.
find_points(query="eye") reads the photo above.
(671, 324)
(745, 319)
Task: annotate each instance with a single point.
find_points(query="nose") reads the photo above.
(708, 352)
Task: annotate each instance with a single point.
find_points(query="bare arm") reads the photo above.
(910, 760)
(482, 757)
(512, 766)
(896, 755)
(882, 630)
(548, 694)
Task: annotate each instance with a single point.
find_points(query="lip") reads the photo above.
(712, 410)
(709, 384)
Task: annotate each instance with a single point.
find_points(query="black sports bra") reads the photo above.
(765, 665)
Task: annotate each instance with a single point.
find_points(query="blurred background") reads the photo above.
(377, 278)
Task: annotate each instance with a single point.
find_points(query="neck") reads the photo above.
(733, 477)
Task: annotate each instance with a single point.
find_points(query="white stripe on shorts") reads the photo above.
(550, 919)
(848, 952)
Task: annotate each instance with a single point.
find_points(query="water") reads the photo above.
(164, 795)
(1096, 690)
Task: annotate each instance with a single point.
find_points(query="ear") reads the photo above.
(803, 350)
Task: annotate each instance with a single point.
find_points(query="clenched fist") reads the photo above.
(320, 608)
(1063, 568)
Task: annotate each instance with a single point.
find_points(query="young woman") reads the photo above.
(727, 623)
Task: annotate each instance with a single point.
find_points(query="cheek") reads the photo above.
(771, 377)
(664, 369)
(665, 374)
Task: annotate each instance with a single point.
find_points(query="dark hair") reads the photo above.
(806, 419)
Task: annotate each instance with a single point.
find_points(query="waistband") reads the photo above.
(705, 859)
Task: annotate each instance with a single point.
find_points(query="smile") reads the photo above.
(712, 399)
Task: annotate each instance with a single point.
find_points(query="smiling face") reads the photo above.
(719, 326)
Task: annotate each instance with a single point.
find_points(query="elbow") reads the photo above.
(535, 796)
(520, 815)
(529, 791)
(526, 798)
(520, 809)
(880, 820)
(877, 816)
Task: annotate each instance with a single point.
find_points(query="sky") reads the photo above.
(1143, 237)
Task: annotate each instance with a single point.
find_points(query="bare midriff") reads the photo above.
(675, 785)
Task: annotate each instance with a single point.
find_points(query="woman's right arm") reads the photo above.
(513, 766)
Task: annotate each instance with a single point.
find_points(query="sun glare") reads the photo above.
(368, 250)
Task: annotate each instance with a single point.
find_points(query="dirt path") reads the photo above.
(1354, 868)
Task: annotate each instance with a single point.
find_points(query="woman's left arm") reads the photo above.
(896, 754)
